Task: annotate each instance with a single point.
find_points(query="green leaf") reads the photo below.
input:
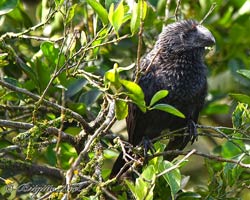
(230, 150)
(173, 178)
(169, 109)
(131, 186)
(71, 13)
(158, 96)
(121, 109)
(138, 9)
(111, 13)
(144, 184)
(133, 88)
(3, 60)
(216, 108)
(135, 20)
(109, 2)
(189, 196)
(113, 76)
(50, 52)
(7, 6)
(243, 98)
(116, 17)
(232, 172)
(77, 107)
(59, 2)
(244, 72)
(237, 115)
(100, 10)
(135, 93)
(120, 69)
(28, 70)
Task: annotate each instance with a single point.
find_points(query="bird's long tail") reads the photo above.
(119, 163)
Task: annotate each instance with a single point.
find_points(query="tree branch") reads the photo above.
(17, 166)
(50, 130)
(211, 157)
(104, 127)
(57, 107)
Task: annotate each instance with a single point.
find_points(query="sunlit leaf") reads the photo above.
(77, 107)
(138, 13)
(216, 108)
(49, 51)
(133, 88)
(3, 60)
(121, 109)
(169, 109)
(116, 17)
(71, 13)
(173, 178)
(100, 10)
(59, 2)
(113, 76)
(244, 72)
(237, 115)
(120, 69)
(158, 96)
(243, 98)
(144, 185)
(135, 93)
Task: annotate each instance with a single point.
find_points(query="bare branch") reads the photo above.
(18, 166)
(57, 107)
(177, 10)
(167, 11)
(106, 124)
(209, 12)
(177, 164)
(211, 157)
(26, 126)
(137, 73)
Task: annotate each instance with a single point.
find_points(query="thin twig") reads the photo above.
(89, 143)
(16, 35)
(31, 169)
(26, 126)
(151, 61)
(138, 67)
(177, 164)
(167, 10)
(177, 10)
(211, 157)
(209, 12)
(57, 107)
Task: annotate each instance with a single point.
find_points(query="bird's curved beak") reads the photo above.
(206, 38)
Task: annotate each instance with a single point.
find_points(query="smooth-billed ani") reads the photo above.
(176, 64)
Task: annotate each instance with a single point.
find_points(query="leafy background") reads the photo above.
(79, 54)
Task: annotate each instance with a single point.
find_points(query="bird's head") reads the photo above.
(184, 36)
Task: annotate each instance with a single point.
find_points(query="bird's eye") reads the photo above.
(193, 27)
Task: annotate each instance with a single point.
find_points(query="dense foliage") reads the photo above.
(65, 84)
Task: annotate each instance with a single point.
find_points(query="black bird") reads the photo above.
(176, 64)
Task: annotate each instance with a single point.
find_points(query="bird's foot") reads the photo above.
(148, 145)
(192, 130)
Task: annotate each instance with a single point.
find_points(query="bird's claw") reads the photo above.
(192, 130)
(148, 145)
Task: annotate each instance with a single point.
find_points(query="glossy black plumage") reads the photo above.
(176, 63)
